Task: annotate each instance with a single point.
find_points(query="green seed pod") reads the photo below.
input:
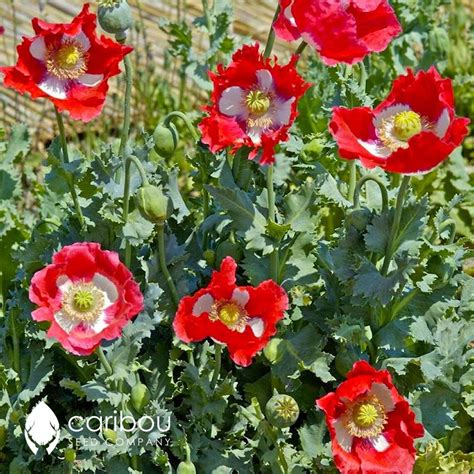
(153, 204)
(70, 454)
(282, 411)
(228, 249)
(358, 219)
(115, 16)
(271, 351)
(186, 467)
(166, 139)
(140, 397)
(109, 435)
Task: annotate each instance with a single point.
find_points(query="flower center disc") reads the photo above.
(257, 102)
(83, 302)
(365, 418)
(67, 62)
(231, 314)
(406, 125)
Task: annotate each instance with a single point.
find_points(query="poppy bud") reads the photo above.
(70, 454)
(186, 467)
(140, 397)
(115, 16)
(210, 257)
(282, 411)
(358, 219)
(109, 435)
(152, 203)
(271, 351)
(166, 139)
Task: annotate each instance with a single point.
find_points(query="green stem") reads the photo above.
(271, 36)
(163, 265)
(396, 224)
(217, 367)
(185, 119)
(274, 256)
(16, 350)
(126, 208)
(104, 361)
(71, 183)
(352, 180)
(375, 179)
(140, 169)
(126, 106)
(301, 47)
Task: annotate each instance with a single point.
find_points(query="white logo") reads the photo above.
(42, 428)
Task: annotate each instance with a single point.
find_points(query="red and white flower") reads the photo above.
(371, 425)
(67, 64)
(254, 103)
(412, 131)
(340, 30)
(87, 295)
(241, 317)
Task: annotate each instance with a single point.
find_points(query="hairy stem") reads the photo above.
(389, 251)
(217, 367)
(163, 265)
(104, 361)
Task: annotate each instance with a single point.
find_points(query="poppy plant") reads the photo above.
(412, 131)
(254, 103)
(67, 64)
(371, 425)
(241, 317)
(87, 295)
(342, 31)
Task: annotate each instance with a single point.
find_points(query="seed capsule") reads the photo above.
(282, 411)
(115, 16)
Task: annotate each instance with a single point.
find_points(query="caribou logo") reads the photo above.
(42, 429)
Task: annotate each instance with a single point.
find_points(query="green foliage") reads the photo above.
(414, 319)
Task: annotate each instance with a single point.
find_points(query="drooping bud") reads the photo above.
(282, 411)
(186, 467)
(153, 204)
(70, 454)
(166, 139)
(115, 17)
(272, 351)
(109, 435)
(140, 397)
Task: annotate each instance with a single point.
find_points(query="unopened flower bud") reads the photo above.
(70, 454)
(140, 397)
(115, 16)
(271, 351)
(166, 139)
(153, 204)
(282, 411)
(186, 467)
(109, 435)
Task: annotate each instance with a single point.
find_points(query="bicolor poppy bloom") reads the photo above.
(372, 426)
(67, 64)
(342, 31)
(254, 103)
(241, 317)
(412, 131)
(87, 295)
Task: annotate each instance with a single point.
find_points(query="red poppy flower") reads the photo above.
(254, 103)
(68, 64)
(87, 294)
(340, 30)
(241, 317)
(2, 30)
(413, 130)
(371, 425)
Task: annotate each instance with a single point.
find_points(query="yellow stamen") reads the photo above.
(67, 62)
(407, 124)
(229, 313)
(257, 102)
(365, 417)
(83, 302)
